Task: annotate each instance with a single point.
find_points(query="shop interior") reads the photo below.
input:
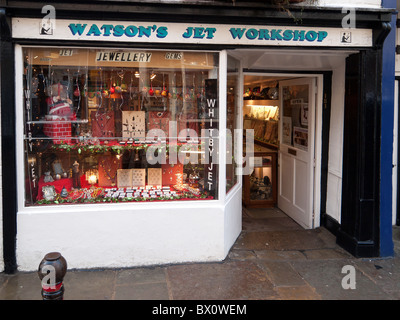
(261, 112)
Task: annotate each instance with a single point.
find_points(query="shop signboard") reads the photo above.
(185, 33)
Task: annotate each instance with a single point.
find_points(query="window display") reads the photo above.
(119, 125)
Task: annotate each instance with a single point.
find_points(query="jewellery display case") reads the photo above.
(260, 187)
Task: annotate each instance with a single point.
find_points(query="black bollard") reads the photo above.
(51, 271)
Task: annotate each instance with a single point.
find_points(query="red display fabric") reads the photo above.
(59, 184)
(169, 173)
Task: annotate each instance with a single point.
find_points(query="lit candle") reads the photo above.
(92, 179)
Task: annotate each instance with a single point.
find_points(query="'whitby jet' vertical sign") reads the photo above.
(211, 137)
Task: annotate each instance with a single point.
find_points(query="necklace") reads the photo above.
(103, 125)
(108, 168)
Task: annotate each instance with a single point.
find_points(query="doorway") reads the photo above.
(284, 110)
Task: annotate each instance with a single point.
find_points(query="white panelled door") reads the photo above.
(296, 150)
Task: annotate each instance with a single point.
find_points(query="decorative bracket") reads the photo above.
(380, 35)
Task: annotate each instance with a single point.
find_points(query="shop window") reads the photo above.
(232, 121)
(106, 125)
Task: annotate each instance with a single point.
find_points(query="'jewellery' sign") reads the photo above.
(189, 33)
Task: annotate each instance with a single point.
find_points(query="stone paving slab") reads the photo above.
(262, 213)
(326, 278)
(220, 281)
(280, 240)
(20, 286)
(325, 254)
(269, 224)
(88, 284)
(141, 284)
(278, 255)
(383, 272)
(298, 293)
(282, 274)
(143, 291)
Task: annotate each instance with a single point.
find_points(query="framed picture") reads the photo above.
(300, 138)
(287, 130)
(304, 114)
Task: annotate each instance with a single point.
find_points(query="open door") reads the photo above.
(296, 150)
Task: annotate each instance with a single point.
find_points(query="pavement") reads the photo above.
(272, 259)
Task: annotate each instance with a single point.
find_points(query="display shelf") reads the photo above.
(266, 144)
(53, 121)
(261, 101)
(95, 194)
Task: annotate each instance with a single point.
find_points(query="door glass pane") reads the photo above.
(295, 116)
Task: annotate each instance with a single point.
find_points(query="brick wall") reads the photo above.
(58, 129)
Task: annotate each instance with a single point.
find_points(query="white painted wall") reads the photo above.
(334, 190)
(232, 218)
(127, 235)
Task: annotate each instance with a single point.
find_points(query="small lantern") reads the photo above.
(92, 176)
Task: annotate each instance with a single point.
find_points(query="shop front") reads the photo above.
(129, 139)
